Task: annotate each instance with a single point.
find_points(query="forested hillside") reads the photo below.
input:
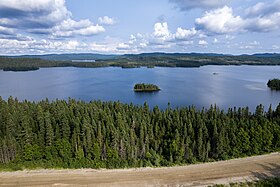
(25, 63)
(75, 134)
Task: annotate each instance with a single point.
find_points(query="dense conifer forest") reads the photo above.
(77, 134)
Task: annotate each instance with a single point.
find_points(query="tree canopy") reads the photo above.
(274, 84)
(77, 134)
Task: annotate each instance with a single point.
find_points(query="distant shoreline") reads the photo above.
(136, 61)
(27, 69)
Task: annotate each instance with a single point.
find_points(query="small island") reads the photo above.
(274, 84)
(20, 68)
(146, 88)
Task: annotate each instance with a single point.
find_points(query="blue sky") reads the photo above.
(129, 26)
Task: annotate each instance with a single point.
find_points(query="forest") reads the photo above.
(96, 134)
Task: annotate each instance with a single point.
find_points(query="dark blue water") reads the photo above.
(231, 86)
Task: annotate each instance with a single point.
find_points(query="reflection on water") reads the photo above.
(260, 87)
(230, 86)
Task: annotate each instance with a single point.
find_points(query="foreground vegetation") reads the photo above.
(133, 61)
(270, 182)
(274, 84)
(77, 134)
(146, 87)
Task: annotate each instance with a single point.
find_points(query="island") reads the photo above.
(20, 69)
(274, 84)
(146, 88)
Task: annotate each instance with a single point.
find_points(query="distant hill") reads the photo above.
(34, 62)
(270, 55)
(70, 56)
(157, 54)
(95, 56)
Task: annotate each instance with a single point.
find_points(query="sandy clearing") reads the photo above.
(193, 175)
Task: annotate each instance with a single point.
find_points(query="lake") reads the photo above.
(226, 86)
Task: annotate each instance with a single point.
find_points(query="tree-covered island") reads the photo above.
(20, 68)
(274, 84)
(146, 88)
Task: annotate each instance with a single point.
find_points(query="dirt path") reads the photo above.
(194, 175)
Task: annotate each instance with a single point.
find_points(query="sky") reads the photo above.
(130, 26)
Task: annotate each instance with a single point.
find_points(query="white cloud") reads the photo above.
(33, 13)
(43, 46)
(102, 48)
(229, 37)
(31, 5)
(91, 30)
(256, 9)
(123, 46)
(143, 44)
(275, 47)
(161, 31)
(185, 43)
(70, 24)
(263, 9)
(161, 34)
(255, 43)
(71, 45)
(70, 28)
(259, 18)
(185, 34)
(215, 41)
(246, 47)
(203, 4)
(88, 31)
(139, 35)
(250, 45)
(164, 39)
(6, 31)
(263, 24)
(10, 46)
(202, 42)
(220, 21)
(44, 17)
(132, 39)
(106, 20)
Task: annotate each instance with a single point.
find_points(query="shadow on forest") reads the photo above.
(272, 170)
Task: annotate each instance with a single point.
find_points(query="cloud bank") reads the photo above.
(43, 17)
(259, 18)
(47, 26)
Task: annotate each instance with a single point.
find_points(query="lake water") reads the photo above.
(226, 86)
